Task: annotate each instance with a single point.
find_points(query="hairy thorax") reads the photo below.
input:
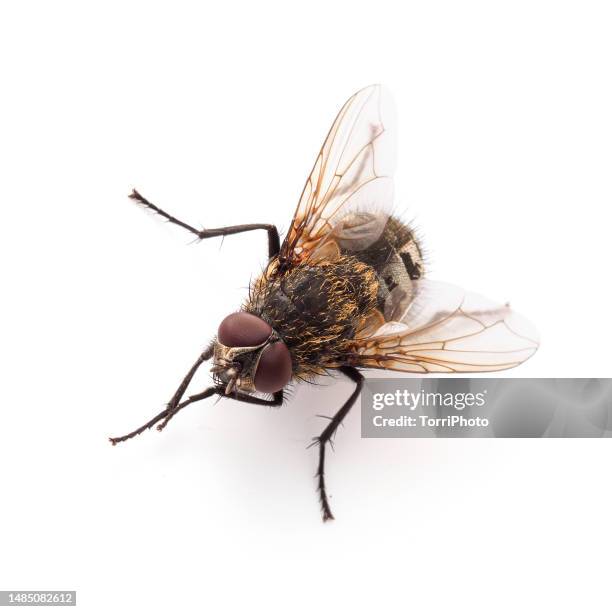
(315, 309)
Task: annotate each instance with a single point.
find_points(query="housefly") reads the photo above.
(345, 290)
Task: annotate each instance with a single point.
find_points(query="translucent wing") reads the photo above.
(446, 329)
(349, 192)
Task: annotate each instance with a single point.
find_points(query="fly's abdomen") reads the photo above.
(405, 244)
(397, 260)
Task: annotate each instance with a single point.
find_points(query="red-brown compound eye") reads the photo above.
(274, 368)
(243, 329)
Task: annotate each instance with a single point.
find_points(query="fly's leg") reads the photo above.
(240, 397)
(328, 433)
(166, 414)
(277, 398)
(173, 405)
(273, 239)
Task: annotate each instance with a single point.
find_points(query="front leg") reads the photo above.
(273, 239)
(328, 433)
(168, 413)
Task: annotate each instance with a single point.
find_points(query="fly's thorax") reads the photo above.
(250, 356)
(316, 309)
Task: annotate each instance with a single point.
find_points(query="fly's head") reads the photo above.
(249, 356)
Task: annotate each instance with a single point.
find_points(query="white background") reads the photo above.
(216, 111)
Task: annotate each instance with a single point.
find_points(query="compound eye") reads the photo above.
(274, 368)
(243, 329)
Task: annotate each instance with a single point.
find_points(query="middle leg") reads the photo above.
(329, 431)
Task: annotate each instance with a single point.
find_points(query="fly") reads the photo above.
(345, 291)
